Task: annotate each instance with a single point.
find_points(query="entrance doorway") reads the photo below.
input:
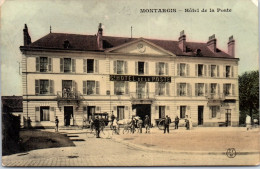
(200, 115)
(142, 110)
(68, 114)
(228, 117)
(91, 111)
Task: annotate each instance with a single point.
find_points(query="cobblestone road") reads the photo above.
(90, 151)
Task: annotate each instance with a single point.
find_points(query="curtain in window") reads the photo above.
(161, 68)
(43, 64)
(67, 65)
(182, 111)
(141, 89)
(44, 86)
(182, 69)
(213, 88)
(90, 87)
(161, 88)
(228, 88)
(120, 112)
(200, 89)
(213, 70)
(119, 88)
(120, 67)
(182, 89)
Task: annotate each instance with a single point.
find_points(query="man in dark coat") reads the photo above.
(97, 126)
(177, 122)
(147, 124)
(167, 124)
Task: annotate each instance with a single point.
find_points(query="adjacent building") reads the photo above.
(73, 76)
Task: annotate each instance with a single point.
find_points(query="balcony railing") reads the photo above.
(69, 95)
(142, 96)
(216, 96)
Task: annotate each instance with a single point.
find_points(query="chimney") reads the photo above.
(26, 36)
(99, 37)
(212, 43)
(231, 46)
(182, 41)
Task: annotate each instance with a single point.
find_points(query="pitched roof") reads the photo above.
(89, 43)
(12, 103)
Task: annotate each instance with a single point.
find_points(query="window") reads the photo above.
(182, 69)
(227, 89)
(91, 111)
(90, 87)
(141, 89)
(140, 68)
(182, 89)
(119, 88)
(213, 87)
(213, 70)
(67, 65)
(228, 71)
(120, 112)
(200, 70)
(45, 113)
(161, 68)
(44, 87)
(161, 111)
(182, 111)
(120, 67)
(161, 89)
(43, 64)
(90, 65)
(200, 89)
(214, 110)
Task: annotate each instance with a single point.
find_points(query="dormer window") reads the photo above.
(66, 44)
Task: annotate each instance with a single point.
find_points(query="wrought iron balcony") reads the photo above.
(142, 96)
(216, 96)
(69, 95)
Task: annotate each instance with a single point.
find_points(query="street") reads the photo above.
(110, 151)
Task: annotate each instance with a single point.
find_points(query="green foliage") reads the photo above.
(249, 95)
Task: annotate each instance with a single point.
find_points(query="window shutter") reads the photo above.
(97, 87)
(37, 114)
(187, 70)
(115, 72)
(50, 64)
(96, 66)
(156, 68)
(126, 87)
(73, 62)
(98, 109)
(209, 70)
(51, 86)
(147, 88)
(126, 67)
(178, 89)
(85, 65)
(114, 108)
(196, 70)
(167, 89)
(196, 89)
(217, 70)
(146, 68)
(156, 107)
(206, 89)
(210, 112)
(188, 89)
(126, 107)
(136, 68)
(167, 68)
(37, 64)
(224, 71)
(178, 69)
(224, 89)
(156, 88)
(37, 87)
(205, 70)
(232, 71)
(52, 114)
(61, 65)
(84, 87)
(74, 86)
(233, 89)
(218, 112)
(218, 88)
(136, 87)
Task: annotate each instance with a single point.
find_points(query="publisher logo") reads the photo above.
(231, 153)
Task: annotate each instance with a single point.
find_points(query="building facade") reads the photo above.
(73, 76)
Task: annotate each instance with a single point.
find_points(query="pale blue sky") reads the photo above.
(117, 16)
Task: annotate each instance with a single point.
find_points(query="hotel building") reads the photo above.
(73, 76)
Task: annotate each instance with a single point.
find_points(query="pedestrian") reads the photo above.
(112, 119)
(248, 122)
(97, 126)
(140, 124)
(29, 123)
(255, 123)
(187, 123)
(132, 125)
(56, 124)
(177, 122)
(147, 124)
(167, 123)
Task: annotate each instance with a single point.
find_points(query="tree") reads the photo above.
(249, 94)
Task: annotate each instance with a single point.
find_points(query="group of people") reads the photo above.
(167, 122)
(66, 93)
(137, 122)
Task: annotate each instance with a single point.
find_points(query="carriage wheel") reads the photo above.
(160, 125)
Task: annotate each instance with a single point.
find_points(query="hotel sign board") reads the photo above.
(132, 78)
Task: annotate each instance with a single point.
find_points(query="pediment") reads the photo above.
(140, 47)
